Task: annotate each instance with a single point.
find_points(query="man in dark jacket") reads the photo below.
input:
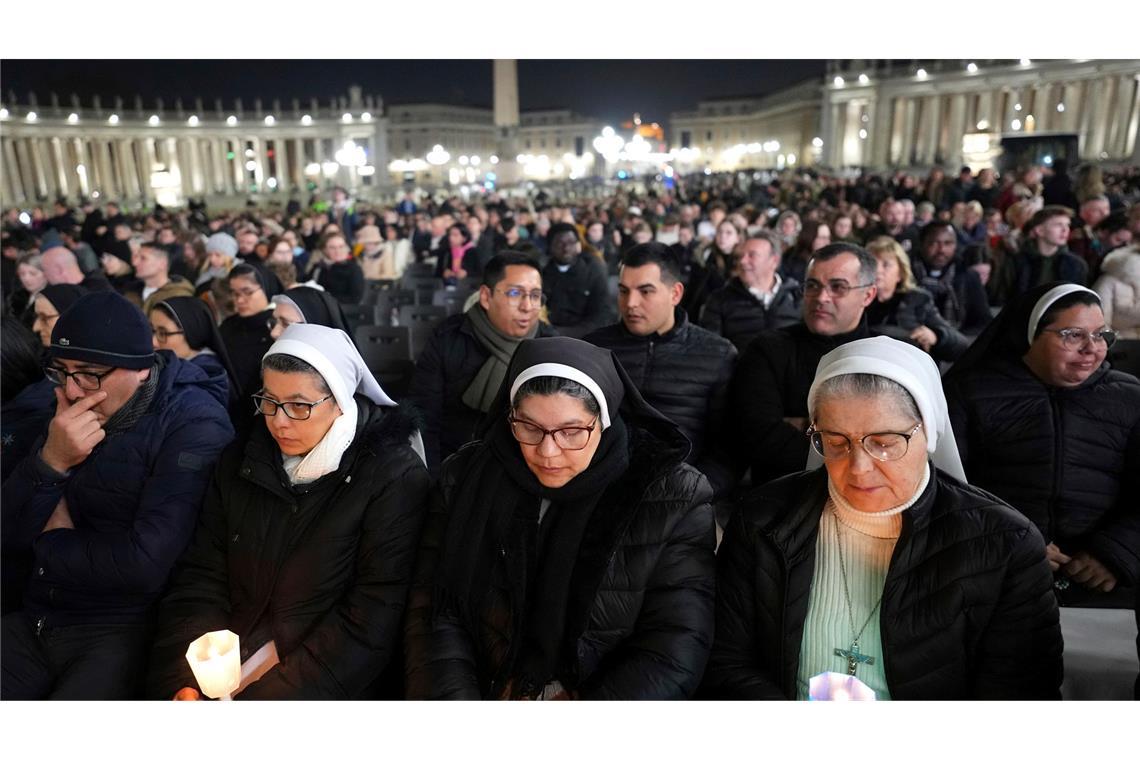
(756, 298)
(455, 374)
(893, 224)
(1045, 256)
(575, 285)
(768, 396)
(104, 507)
(682, 370)
(958, 292)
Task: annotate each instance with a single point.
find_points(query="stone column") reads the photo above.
(60, 168)
(128, 170)
(281, 158)
(910, 109)
(506, 111)
(932, 123)
(40, 168)
(1125, 96)
(1089, 141)
(108, 184)
(957, 128)
(1132, 134)
(83, 158)
(262, 173)
(13, 185)
(237, 166)
(878, 128)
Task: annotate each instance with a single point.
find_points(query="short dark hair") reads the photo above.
(1113, 223)
(496, 269)
(868, 265)
(927, 233)
(654, 253)
(1045, 215)
(1064, 302)
(21, 349)
(157, 247)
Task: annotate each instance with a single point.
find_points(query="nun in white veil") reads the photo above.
(883, 565)
(307, 537)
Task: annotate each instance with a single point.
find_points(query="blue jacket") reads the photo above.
(22, 421)
(134, 501)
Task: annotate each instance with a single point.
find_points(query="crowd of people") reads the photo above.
(706, 436)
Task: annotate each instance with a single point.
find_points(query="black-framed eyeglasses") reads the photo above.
(835, 288)
(1078, 337)
(87, 381)
(294, 410)
(162, 333)
(567, 438)
(886, 446)
(243, 292)
(514, 295)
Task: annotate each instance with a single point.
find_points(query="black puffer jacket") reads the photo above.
(645, 628)
(958, 294)
(321, 569)
(684, 374)
(967, 613)
(736, 314)
(771, 382)
(444, 369)
(898, 318)
(577, 299)
(1069, 460)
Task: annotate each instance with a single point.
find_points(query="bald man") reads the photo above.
(62, 268)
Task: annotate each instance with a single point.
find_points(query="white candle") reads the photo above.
(215, 658)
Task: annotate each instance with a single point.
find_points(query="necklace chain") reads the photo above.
(846, 590)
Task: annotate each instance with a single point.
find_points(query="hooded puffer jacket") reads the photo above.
(134, 502)
(1068, 459)
(644, 628)
(967, 611)
(321, 569)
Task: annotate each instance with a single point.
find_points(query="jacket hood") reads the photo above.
(179, 372)
(1123, 264)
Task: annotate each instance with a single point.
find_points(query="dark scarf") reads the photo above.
(484, 387)
(495, 517)
(137, 405)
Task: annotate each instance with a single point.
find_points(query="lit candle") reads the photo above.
(215, 659)
(839, 687)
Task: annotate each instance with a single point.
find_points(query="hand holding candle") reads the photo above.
(215, 658)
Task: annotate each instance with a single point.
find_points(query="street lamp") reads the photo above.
(437, 156)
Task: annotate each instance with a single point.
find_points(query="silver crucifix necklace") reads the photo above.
(852, 654)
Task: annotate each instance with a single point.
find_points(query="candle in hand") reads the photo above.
(215, 659)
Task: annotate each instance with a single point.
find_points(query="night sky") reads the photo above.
(610, 90)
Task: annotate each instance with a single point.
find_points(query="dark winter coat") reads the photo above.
(320, 569)
(578, 298)
(684, 374)
(736, 314)
(967, 612)
(247, 339)
(958, 294)
(1068, 459)
(771, 382)
(644, 628)
(134, 502)
(1031, 269)
(23, 420)
(344, 280)
(444, 369)
(910, 309)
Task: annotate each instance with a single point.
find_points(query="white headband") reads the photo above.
(552, 369)
(1050, 298)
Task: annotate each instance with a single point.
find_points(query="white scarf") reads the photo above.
(332, 354)
(913, 369)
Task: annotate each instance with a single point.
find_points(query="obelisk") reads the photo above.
(506, 121)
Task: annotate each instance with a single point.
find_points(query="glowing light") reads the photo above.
(864, 79)
(251, 166)
(346, 118)
(25, 218)
(708, 171)
(921, 73)
(366, 117)
(192, 121)
(113, 118)
(983, 125)
(312, 169)
(972, 67)
(838, 81)
(438, 156)
(817, 142)
(494, 159)
(3, 113)
(862, 134)
(270, 121)
(306, 121)
(31, 116)
(1015, 124)
(351, 154)
(475, 160)
(153, 120)
(80, 169)
(464, 160)
(1017, 106)
(1025, 61)
(249, 153)
(73, 118)
(791, 159)
(271, 183)
(366, 171)
(1060, 108)
(330, 168)
(94, 193)
(231, 120)
(1047, 160)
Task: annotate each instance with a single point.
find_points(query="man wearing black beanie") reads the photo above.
(105, 504)
(575, 285)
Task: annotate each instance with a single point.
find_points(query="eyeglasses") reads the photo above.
(835, 288)
(1078, 337)
(567, 438)
(87, 381)
(244, 293)
(886, 447)
(281, 322)
(162, 334)
(294, 410)
(514, 295)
